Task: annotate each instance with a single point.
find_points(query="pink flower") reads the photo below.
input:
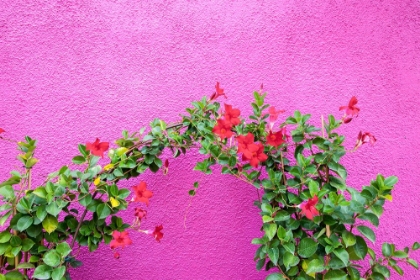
(308, 208)
(285, 133)
(274, 114)
(351, 110)
(141, 194)
(2, 130)
(121, 239)
(219, 92)
(97, 148)
(364, 138)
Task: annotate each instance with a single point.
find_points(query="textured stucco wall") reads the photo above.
(74, 70)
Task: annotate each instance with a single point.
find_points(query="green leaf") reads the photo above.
(338, 168)
(371, 218)
(335, 275)
(359, 250)
(386, 249)
(315, 266)
(52, 258)
(15, 241)
(5, 236)
(103, 211)
(342, 255)
(367, 232)
(78, 160)
(390, 181)
(290, 247)
(27, 244)
(24, 222)
(50, 223)
(275, 276)
(416, 246)
(40, 192)
(42, 272)
(290, 260)
(273, 254)
(58, 272)
(41, 213)
(4, 218)
(7, 192)
(13, 275)
(270, 230)
(63, 249)
(25, 265)
(382, 270)
(398, 269)
(349, 238)
(413, 263)
(400, 254)
(85, 199)
(82, 150)
(307, 247)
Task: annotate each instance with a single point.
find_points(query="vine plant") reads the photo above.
(315, 226)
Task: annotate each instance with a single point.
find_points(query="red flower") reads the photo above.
(244, 141)
(116, 255)
(223, 129)
(308, 208)
(351, 110)
(275, 139)
(2, 130)
(231, 115)
(140, 213)
(219, 92)
(157, 234)
(121, 239)
(364, 138)
(141, 194)
(97, 148)
(255, 154)
(166, 167)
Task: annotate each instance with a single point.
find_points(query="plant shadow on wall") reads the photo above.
(315, 226)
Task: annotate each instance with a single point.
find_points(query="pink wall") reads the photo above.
(75, 70)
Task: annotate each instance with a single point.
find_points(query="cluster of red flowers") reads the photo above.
(254, 152)
(224, 126)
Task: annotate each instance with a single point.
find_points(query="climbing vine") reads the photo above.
(314, 226)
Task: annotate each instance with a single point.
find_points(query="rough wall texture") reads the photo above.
(75, 70)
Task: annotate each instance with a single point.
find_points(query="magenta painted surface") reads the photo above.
(75, 70)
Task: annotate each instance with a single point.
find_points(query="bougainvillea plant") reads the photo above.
(314, 225)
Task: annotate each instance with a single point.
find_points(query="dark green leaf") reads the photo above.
(307, 247)
(367, 232)
(335, 275)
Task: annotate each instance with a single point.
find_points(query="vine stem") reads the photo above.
(80, 222)
(327, 227)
